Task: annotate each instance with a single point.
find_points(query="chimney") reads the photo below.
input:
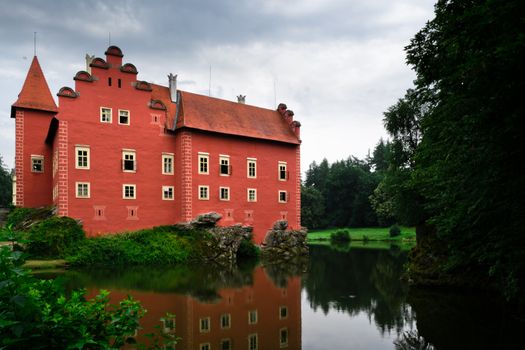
(173, 87)
(89, 59)
(241, 99)
(288, 116)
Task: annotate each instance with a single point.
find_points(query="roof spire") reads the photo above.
(34, 44)
(35, 93)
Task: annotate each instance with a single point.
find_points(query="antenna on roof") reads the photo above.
(274, 92)
(34, 43)
(109, 38)
(209, 86)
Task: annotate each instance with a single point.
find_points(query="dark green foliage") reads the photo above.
(37, 314)
(394, 230)
(6, 187)
(53, 237)
(337, 195)
(23, 218)
(458, 141)
(247, 250)
(340, 236)
(158, 246)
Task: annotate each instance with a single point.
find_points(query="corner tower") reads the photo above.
(33, 111)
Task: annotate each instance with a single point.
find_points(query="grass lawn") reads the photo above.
(45, 264)
(373, 234)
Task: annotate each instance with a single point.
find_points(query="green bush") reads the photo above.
(22, 218)
(54, 236)
(157, 246)
(37, 314)
(394, 230)
(247, 250)
(340, 236)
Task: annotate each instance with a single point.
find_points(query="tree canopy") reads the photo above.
(6, 188)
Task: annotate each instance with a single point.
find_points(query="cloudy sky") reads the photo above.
(338, 64)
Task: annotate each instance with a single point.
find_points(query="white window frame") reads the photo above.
(78, 194)
(255, 319)
(207, 198)
(285, 196)
(206, 329)
(40, 158)
(124, 191)
(281, 343)
(103, 115)
(254, 346)
(167, 189)
(248, 190)
(129, 116)
(203, 158)
(226, 159)
(128, 152)
(227, 192)
(77, 157)
(254, 162)
(227, 317)
(285, 165)
(171, 158)
(281, 308)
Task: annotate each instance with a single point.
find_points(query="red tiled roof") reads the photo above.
(216, 115)
(35, 93)
(162, 93)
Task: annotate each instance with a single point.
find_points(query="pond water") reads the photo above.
(342, 298)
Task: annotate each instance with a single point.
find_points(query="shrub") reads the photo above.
(340, 236)
(156, 246)
(394, 230)
(38, 313)
(54, 236)
(366, 239)
(247, 250)
(22, 218)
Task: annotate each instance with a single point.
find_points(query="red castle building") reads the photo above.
(123, 154)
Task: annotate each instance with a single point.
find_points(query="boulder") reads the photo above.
(206, 220)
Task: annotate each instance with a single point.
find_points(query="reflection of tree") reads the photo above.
(201, 282)
(411, 340)
(459, 321)
(281, 273)
(360, 280)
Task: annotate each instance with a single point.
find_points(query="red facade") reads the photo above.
(122, 154)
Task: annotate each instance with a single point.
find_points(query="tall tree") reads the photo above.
(6, 188)
(465, 170)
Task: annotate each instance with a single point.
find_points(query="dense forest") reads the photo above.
(453, 168)
(5, 185)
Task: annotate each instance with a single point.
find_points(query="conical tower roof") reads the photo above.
(35, 93)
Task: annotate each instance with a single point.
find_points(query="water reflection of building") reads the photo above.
(260, 316)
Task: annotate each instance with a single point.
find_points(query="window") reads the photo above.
(283, 312)
(168, 325)
(37, 164)
(123, 117)
(82, 189)
(132, 213)
(119, 83)
(129, 191)
(109, 81)
(224, 165)
(203, 163)
(204, 192)
(252, 342)
(204, 346)
(225, 321)
(252, 195)
(283, 198)
(252, 317)
(99, 212)
(226, 344)
(129, 161)
(82, 157)
(224, 193)
(105, 115)
(283, 173)
(167, 192)
(252, 168)
(167, 163)
(283, 337)
(204, 324)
